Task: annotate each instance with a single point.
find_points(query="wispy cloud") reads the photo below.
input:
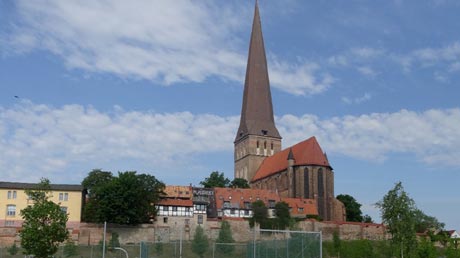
(299, 79)
(167, 42)
(360, 58)
(366, 70)
(359, 100)
(65, 142)
(430, 135)
(446, 58)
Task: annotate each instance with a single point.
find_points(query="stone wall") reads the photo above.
(92, 234)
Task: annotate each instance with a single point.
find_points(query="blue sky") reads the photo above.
(156, 87)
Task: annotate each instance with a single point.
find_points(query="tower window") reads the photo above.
(264, 132)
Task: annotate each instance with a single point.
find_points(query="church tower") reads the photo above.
(257, 136)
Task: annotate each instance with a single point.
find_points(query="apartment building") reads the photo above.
(13, 199)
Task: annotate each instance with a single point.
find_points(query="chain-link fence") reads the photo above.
(265, 244)
(285, 244)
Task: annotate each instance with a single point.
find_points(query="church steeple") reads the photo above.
(257, 136)
(257, 110)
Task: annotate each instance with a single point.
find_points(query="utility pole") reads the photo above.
(103, 243)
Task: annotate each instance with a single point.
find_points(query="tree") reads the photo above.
(283, 216)
(13, 250)
(200, 242)
(352, 207)
(159, 246)
(215, 179)
(114, 241)
(424, 223)
(126, 199)
(239, 183)
(337, 242)
(259, 214)
(225, 237)
(398, 213)
(44, 226)
(96, 179)
(367, 219)
(426, 249)
(93, 184)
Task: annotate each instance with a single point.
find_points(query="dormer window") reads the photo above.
(264, 132)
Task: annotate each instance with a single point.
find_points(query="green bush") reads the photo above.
(70, 249)
(13, 250)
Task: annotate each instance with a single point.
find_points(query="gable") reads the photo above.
(307, 152)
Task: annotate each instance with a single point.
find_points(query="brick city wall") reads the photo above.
(91, 234)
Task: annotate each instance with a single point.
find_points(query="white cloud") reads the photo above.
(359, 100)
(366, 70)
(447, 56)
(298, 79)
(45, 140)
(359, 58)
(339, 60)
(366, 52)
(432, 135)
(64, 143)
(164, 41)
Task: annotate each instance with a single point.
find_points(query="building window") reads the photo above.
(232, 211)
(166, 208)
(200, 219)
(226, 204)
(174, 208)
(165, 220)
(63, 196)
(11, 210)
(12, 194)
(247, 205)
(271, 204)
(9, 223)
(200, 207)
(64, 209)
(300, 210)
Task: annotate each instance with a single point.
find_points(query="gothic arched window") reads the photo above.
(306, 183)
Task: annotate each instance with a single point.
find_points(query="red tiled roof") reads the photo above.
(307, 152)
(176, 202)
(176, 191)
(237, 196)
(308, 206)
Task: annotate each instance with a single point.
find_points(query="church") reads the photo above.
(299, 171)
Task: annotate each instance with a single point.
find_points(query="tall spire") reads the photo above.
(257, 110)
